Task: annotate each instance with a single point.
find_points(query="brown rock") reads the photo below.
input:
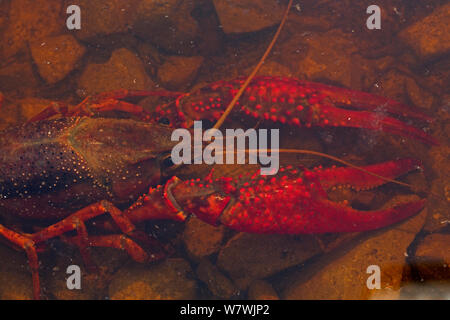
(15, 279)
(10, 115)
(430, 290)
(178, 72)
(262, 290)
(168, 280)
(419, 96)
(392, 85)
(238, 16)
(123, 70)
(56, 283)
(94, 283)
(150, 56)
(432, 257)
(430, 37)
(217, 282)
(438, 202)
(19, 78)
(332, 56)
(343, 275)
(202, 239)
(100, 18)
(247, 257)
(56, 57)
(29, 107)
(31, 20)
(167, 24)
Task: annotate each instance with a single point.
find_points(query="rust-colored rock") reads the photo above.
(217, 282)
(31, 20)
(202, 239)
(238, 16)
(418, 95)
(343, 275)
(167, 24)
(392, 85)
(15, 280)
(18, 77)
(247, 257)
(123, 70)
(56, 56)
(331, 56)
(430, 37)
(178, 72)
(101, 18)
(432, 258)
(262, 290)
(168, 280)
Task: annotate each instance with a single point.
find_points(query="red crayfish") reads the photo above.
(76, 168)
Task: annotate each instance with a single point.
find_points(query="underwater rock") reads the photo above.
(168, 280)
(18, 77)
(247, 257)
(94, 283)
(261, 290)
(167, 24)
(392, 85)
(31, 20)
(202, 239)
(429, 290)
(332, 56)
(150, 56)
(342, 274)
(432, 258)
(10, 115)
(29, 107)
(56, 283)
(15, 279)
(430, 37)
(15, 285)
(217, 282)
(438, 203)
(399, 86)
(56, 57)
(238, 16)
(123, 70)
(418, 96)
(101, 18)
(178, 72)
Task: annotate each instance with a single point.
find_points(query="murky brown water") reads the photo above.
(184, 45)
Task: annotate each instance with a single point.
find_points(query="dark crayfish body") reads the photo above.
(50, 168)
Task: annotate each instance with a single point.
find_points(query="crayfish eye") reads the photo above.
(167, 162)
(164, 120)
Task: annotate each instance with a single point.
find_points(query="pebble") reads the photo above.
(430, 36)
(171, 279)
(123, 70)
(56, 56)
(343, 273)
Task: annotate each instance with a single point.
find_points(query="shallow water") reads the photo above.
(182, 46)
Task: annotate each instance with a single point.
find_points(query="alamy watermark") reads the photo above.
(222, 149)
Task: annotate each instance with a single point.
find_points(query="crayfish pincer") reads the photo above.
(76, 168)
